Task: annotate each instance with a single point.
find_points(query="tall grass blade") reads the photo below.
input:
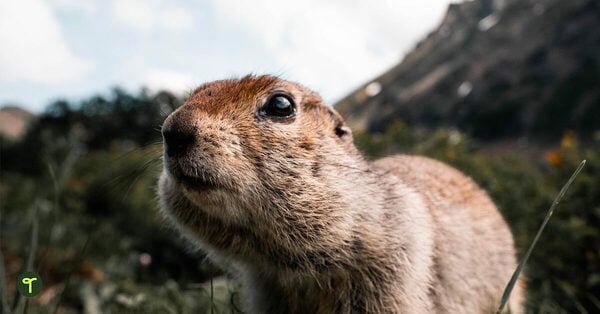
(3, 293)
(79, 257)
(35, 226)
(3, 287)
(33, 246)
(212, 297)
(517, 273)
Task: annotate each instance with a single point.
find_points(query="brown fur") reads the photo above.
(309, 226)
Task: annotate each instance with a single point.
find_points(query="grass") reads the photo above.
(513, 280)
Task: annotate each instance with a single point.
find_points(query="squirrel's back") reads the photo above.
(473, 247)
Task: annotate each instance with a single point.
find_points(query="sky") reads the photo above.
(73, 49)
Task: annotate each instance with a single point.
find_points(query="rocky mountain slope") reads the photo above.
(494, 69)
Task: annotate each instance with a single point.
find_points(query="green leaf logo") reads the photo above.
(29, 284)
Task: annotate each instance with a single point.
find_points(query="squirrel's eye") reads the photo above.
(279, 106)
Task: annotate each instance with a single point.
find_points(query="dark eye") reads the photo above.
(279, 106)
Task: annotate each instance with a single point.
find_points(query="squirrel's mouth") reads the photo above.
(198, 183)
(196, 179)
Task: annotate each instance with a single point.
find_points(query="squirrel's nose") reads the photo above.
(176, 142)
(177, 138)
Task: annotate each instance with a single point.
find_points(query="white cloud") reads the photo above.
(33, 48)
(173, 81)
(333, 46)
(88, 7)
(149, 15)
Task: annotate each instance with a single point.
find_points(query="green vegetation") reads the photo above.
(85, 174)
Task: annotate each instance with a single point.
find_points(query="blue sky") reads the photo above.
(52, 49)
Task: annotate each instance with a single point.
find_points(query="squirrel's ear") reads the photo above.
(340, 127)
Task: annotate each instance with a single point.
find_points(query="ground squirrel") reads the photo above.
(264, 177)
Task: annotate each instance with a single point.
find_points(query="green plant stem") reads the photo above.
(517, 273)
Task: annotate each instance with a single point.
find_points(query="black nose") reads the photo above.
(177, 142)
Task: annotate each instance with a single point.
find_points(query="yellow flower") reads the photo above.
(567, 139)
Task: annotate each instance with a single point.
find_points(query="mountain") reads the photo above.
(494, 69)
(14, 121)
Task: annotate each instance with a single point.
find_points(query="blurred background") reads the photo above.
(506, 90)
